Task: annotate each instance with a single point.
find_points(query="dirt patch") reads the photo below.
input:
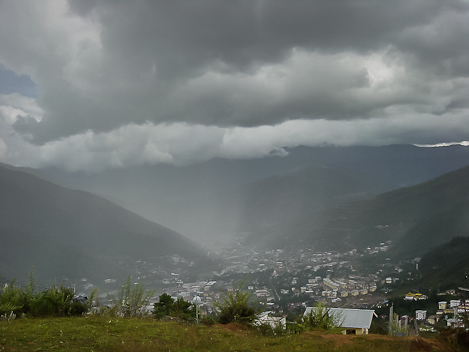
(418, 344)
(337, 339)
(233, 327)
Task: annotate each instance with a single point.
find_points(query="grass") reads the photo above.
(93, 333)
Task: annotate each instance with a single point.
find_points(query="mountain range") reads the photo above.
(71, 234)
(415, 219)
(218, 198)
(325, 198)
(446, 265)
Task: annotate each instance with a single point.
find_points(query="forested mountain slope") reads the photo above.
(64, 233)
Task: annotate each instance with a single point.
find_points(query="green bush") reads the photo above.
(208, 321)
(132, 301)
(234, 307)
(321, 317)
(168, 307)
(396, 329)
(267, 330)
(13, 299)
(56, 302)
(51, 302)
(295, 328)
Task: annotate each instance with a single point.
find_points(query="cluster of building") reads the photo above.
(451, 312)
(415, 297)
(352, 286)
(295, 277)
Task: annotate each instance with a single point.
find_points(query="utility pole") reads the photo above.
(391, 315)
(196, 301)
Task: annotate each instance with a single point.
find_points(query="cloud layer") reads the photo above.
(124, 83)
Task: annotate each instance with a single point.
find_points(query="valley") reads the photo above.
(313, 233)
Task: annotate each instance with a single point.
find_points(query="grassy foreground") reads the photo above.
(94, 333)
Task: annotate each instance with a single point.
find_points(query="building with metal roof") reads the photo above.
(353, 321)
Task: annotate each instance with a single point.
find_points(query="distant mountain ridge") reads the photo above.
(415, 218)
(70, 234)
(446, 266)
(299, 192)
(191, 199)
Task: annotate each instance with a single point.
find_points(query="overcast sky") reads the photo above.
(97, 84)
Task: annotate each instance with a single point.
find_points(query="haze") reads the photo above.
(147, 88)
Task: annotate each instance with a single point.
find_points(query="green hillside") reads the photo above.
(65, 233)
(131, 334)
(415, 218)
(447, 265)
(281, 198)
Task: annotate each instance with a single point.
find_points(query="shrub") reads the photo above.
(56, 302)
(321, 317)
(13, 299)
(208, 321)
(266, 329)
(396, 329)
(168, 307)
(295, 328)
(234, 306)
(132, 301)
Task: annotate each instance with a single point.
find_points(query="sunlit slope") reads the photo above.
(40, 221)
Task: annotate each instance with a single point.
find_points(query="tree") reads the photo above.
(164, 307)
(168, 307)
(234, 306)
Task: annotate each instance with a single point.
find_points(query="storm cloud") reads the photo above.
(125, 83)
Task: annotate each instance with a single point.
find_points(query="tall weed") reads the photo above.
(132, 301)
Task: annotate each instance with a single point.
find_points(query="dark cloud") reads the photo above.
(103, 65)
(184, 36)
(26, 124)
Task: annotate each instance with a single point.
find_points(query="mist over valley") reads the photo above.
(310, 153)
(230, 215)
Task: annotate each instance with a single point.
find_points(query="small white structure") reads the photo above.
(267, 318)
(420, 314)
(353, 321)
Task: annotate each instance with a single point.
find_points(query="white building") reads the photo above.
(267, 318)
(353, 321)
(420, 314)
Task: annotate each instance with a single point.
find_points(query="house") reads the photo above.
(463, 308)
(353, 321)
(432, 319)
(265, 318)
(415, 297)
(409, 296)
(420, 314)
